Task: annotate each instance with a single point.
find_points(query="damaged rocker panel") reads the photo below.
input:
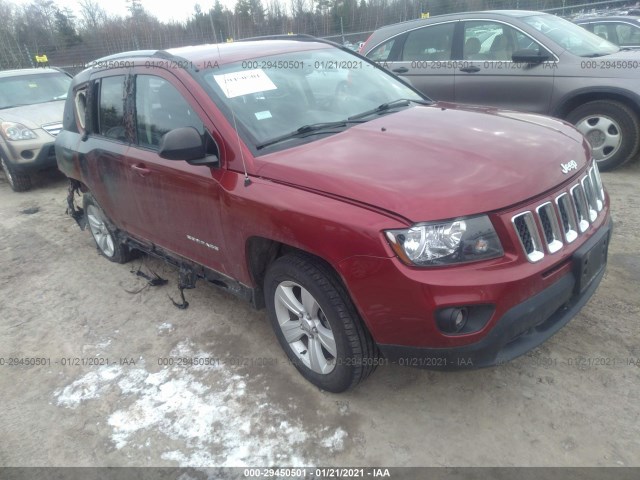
(189, 272)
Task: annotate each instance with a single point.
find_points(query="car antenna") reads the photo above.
(247, 180)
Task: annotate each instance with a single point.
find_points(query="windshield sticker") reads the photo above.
(263, 115)
(243, 83)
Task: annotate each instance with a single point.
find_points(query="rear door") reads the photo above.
(489, 76)
(423, 57)
(177, 204)
(103, 150)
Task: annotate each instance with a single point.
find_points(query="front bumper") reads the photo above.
(29, 156)
(520, 329)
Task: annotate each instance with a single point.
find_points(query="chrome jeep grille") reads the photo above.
(551, 225)
(52, 129)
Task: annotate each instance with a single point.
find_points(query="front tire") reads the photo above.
(612, 130)
(317, 324)
(18, 181)
(103, 232)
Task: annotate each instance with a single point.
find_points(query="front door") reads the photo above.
(490, 77)
(177, 204)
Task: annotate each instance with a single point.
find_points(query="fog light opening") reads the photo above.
(453, 319)
(458, 319)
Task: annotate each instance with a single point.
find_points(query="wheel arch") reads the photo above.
(261, 252)
(582, 96)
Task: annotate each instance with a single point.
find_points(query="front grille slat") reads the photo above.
(568, 216)
(52, 129)
(529, 236)
(562, 221)
(582, 211)
(550, 226)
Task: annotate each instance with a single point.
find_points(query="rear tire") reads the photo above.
(611, 128)
(103, 232)
(317, 324)
(18, 181)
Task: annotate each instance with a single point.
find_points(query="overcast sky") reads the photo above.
(164, 10)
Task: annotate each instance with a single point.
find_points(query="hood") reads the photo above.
(436, 162)
(34, 116)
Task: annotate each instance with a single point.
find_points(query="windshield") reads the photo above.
(570, 36)
(303, 95)
(32, 89)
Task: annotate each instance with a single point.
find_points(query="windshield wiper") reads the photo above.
(595, 55)
(401, 102)
(304, 130)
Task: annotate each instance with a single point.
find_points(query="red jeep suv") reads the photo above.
(374, 225)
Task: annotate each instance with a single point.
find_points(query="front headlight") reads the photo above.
(441, 243)
(17, 131)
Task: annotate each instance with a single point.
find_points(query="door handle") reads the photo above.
(400, 70)
(471, 69)
(140, 169)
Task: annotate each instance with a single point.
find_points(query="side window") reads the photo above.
(111, 110)
(429, 43)
(81, 108)
(601, 30)
(524, 42)
(628, 34)
(160, 108)
(381, 53)
(494, 41)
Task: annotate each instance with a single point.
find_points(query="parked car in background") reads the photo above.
(526, 61)
(376, 226)
(31, 106)
(624, 31)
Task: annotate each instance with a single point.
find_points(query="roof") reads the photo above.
(607, 18)
(27, 71)
(462, 15)
(244, 50)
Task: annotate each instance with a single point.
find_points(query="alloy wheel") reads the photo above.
(100, 232)
(305, 327)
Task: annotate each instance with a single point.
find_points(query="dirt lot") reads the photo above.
(574, 401)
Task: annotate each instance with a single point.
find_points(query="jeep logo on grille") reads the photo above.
(567, 167)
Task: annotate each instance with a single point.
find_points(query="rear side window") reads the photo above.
(381, 53)
(160, 108)
(429, 43)
(111, 108)
(80, 104)
(628, 34)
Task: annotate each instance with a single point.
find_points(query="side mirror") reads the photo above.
(529, 56)
(185, 143)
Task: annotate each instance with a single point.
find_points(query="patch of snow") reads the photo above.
(203, 408)
(91, 385)
(335, 442)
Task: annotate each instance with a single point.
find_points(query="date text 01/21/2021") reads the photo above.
(330, 472)
(65, 361)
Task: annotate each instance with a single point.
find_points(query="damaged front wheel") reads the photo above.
(103, 233)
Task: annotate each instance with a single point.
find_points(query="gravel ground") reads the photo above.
(571, 402)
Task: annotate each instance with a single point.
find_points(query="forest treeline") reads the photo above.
(42, 27)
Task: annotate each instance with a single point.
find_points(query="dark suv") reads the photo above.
(375, 225)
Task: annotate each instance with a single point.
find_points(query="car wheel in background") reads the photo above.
(317, 324)
(103, 233)
(612, 130)
(18, 181)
